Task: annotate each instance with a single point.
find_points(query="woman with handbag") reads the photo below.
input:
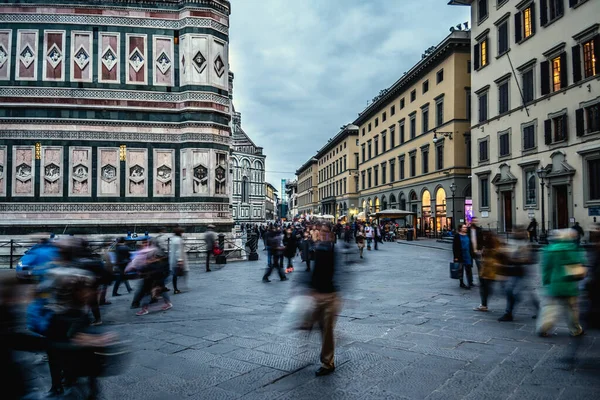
(463, 253)
(561, 265)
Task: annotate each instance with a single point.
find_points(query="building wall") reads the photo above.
(513, 189)
(114, 121)
(248, 197)
(430, 184)
(307, 177)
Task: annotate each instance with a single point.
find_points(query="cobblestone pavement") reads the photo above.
(405, 331)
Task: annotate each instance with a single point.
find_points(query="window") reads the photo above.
(363, 152)
(525, 23)
(468, 66)
(363, 131)
(369, 177)
(413, 165)
(439, 76)
(369, 127)
(413, 126)
(574, 3)
(425, 122)
(556, 78)
(468, 146)
(383, 173)
(588, 119)
(484, 188)
(483, 111)
(480, 53)
(426, 86)
(376, 146)
(593, 175)
(503, 98)
(401, 167)
(356, 159)
(413, 95)
(468, 105)
(401, 132)
(376, 174)
(376, 122)
(383, 117)
(529, 137)
(363, 180)
(425, 156)
(439, 112)
(392, 137)
(393, 110)
(401, 103)
(392, 171)
(345, 164)
(530, 188)
(591, 52)
(551, 10)
(555, 129)
(503, 42)
(383, 143)
(439, 157)
(504, 144)
(528, 86)
(369, 148)
(482, 10)
(483, 150)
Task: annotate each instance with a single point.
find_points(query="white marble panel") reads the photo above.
(51, 181)
(82, 56)
(23, 166)
(136, 171)
(80, 170)
(3, 170)
(219, 63)
(164, 172)
(109, 172)
(6, 53)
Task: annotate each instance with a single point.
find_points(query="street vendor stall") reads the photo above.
(407, 230)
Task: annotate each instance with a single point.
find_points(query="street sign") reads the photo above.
(485, 214)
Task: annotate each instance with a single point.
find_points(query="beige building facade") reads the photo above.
(307, 176)
(535, 112)
(414, 139)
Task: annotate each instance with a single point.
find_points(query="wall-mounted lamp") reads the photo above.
(443, 134)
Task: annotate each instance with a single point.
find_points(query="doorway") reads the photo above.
(561, 208)
(507, 211)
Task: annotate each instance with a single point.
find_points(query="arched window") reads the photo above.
(384, 204)
(393, 201)
(245, 190)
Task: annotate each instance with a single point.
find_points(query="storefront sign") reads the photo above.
(594, 211)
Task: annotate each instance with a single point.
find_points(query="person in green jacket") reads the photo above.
(558, 288)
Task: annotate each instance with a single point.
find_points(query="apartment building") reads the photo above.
(414, 140)
(535, 112)
(337, 175)
(307, 176)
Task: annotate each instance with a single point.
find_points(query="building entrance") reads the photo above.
(507, 211)
(561, 207)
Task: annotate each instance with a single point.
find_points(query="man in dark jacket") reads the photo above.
(327, 303)
(123, 256)
(462, 249)
(274, 247)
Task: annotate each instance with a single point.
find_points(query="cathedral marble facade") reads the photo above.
(114, 115)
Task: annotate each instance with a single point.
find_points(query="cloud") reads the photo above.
(305, 68)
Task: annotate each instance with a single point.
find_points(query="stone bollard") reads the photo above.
(221, 259)
(253, 244)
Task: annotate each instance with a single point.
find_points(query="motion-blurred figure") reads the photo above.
(561, 290)
(123, 255)
(177, 258)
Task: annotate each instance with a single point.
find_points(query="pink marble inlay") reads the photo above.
(166, 46)
(3, 172)
(28, 38)
(24, 170)
(4, 41)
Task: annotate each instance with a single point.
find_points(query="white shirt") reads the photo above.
(369, 232)
(474, 238)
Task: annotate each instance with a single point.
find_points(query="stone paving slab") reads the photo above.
(406, 331)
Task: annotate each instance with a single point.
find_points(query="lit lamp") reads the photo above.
(543, 173)
(453, 190)
(443, 134)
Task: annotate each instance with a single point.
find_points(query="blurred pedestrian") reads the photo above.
(289, 241)
(532, 230)
(276, 249)
(369, 235)
(561, 290)
(123, 256)
(360, 241)
(177, 258)
(463, 253)
(476, 236)
(209, 239)
(580, 234)
(492, 259)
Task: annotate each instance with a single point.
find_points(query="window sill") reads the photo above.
(504, 157)
(483, 163)
(525, 39)
(580, 3)
(531, 207)
(483, 19)
(482, 67)
(552, 21)
(500, 55)
(527, 152)
(484, 209)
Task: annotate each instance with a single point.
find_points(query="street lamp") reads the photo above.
(443, 134)
(453, 190)
(542, 173)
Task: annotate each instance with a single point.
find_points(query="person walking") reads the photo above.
(580, 234)
(360, 241)
(122, 255)
(463, 253)
(376, 235)
(327, 302)
(177, 257)
(276, 249)
(491, 260)
(306, 249)
(369, 236)
(289, 242)
(209, 239)
(476, 236)
(560, 289)
(532, 230)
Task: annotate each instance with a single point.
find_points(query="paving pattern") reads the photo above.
(406, 331)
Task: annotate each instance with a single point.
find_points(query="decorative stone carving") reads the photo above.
(80, 172)
(51, 159)
(3, 55)
(23, 172)
(199, 62)
(52, 172)
(200, 172)
(221, 174)
(219, 66)
(27, 56)
(163, 62)
(136, 173)
(80, 166)
(54, 56)
(136, 60)
(109, 173)
(81, 57)
(109, 58)
(163, 173)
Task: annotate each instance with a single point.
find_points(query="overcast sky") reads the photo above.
(304, 68)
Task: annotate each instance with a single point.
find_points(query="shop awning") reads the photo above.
(395, 214)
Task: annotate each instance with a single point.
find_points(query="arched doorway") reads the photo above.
(402, 201)
(384, 204)
(363, 208)
(393, 204)
(369, 208)
(441, 219)
(377, 204)
(427, 222)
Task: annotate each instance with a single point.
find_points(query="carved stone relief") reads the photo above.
(23, 170)
(163, 181)
(2, 169)
(221, 173)
(5, 53)
(81, 56)
(163, 62)
(136, 60)
(108, 171)
(51, 184)
(54, 46)
(27, 42)
(80, 164)
(136, 172)
(108, 47)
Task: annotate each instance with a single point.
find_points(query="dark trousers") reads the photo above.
(174, 278)
(468, 268)
(120, 278)
(277, 263)
(208, 253)
(93, 303)
(139, 293)
(485, 290)
(375, 240)
(289, 263)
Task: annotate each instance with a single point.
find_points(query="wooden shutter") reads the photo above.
(545, 77)
(565, 121)
(564, 78)
(579, 122)
(533, 18)
(476, 57)
(597, 52)
(543, 12)
(518, 27)
(548, 131)
(576, 55)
